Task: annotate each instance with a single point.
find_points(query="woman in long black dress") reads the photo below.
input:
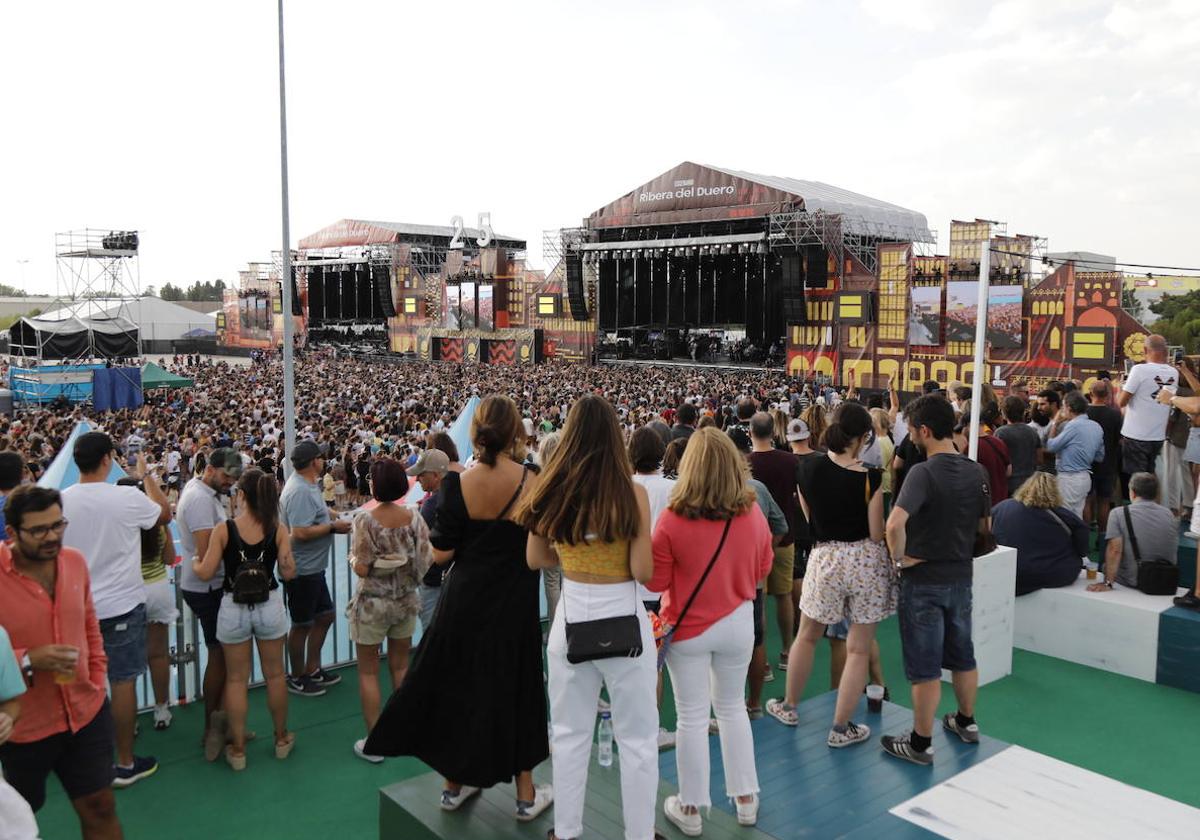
(473, 706)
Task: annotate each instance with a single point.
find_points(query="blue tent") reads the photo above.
(460, 433)
(62, 472)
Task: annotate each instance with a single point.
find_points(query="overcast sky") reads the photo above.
(1071, 119)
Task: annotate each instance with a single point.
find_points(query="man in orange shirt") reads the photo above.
(65, 725)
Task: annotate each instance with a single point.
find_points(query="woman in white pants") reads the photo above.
(712, 546)
(588, 517)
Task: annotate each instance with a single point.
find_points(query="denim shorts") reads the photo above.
(125, 644)
(237, 623)
(935, 628)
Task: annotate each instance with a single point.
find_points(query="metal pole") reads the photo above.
(981, 307)
(289, 385)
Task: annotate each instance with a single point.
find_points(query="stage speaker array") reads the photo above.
(576, 294)
(316, 295)
(792, 288)
(816, 275)
(381, 280)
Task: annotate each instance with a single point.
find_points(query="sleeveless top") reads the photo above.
(601, 559)
(235, 548)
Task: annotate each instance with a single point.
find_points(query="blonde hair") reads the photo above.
(712, 478)
(882, 422)
(1040, 490)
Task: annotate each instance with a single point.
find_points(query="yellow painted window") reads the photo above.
(1089, 345)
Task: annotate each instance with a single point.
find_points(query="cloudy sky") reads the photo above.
(1078, 120)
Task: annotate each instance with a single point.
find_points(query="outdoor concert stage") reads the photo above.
(989, 790)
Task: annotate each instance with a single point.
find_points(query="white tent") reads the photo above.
(156, 319)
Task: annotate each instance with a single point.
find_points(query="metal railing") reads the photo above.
(188, 654)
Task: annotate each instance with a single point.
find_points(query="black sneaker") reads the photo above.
(1188, 601)
(304, 686)
(324, 678)
(901, 747)
(143, 766)
(969, 734)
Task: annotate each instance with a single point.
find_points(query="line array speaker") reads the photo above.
(575, 291)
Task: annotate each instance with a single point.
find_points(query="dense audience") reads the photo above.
(658, 507)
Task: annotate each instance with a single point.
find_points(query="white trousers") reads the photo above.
(1074, 488)
(712, 667)
(574, 691)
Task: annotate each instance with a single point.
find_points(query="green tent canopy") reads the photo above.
(154, 376)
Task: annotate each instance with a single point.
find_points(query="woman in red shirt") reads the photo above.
(711, 505)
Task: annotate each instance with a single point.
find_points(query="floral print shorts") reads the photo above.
(849, 580)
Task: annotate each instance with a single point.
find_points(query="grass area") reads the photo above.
(1133, 731)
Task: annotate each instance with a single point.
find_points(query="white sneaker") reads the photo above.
(363, 754)
(747, 812)
(543, 796)
(162, 717)
(689, 824)
(451, 801)
(666, 740)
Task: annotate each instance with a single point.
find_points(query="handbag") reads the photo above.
(669, 630)
(603, 638)
(985, 541)
(1155, 576)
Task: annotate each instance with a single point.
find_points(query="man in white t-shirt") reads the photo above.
(1145, 425)
(105, 525)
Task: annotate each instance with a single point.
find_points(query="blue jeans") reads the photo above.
(125, 644)
(935, 628)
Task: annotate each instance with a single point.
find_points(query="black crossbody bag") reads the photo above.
(603, 638)
(1154, 577)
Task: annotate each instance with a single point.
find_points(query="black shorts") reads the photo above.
(83, 761)
(1102, 484)
(206, 605)
(758, 618)
(307, 596)
(1139, 455)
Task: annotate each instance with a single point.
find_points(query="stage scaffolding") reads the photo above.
(837, 234)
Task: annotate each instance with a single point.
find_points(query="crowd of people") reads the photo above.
(662, 511)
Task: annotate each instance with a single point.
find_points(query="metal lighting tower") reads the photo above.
(289, 383)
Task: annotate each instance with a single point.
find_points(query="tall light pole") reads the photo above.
(289, 384)
(981, 315)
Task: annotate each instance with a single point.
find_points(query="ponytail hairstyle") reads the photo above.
(496, 429)
(850, 422)
(261, 493)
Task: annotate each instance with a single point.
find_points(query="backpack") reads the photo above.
(252, 583)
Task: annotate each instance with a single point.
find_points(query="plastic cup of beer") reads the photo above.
(875, 699)
(65, 677)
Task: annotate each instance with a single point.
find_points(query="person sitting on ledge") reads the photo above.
(1154, 526)
(1049, 539)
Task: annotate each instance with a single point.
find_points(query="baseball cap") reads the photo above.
(304, 453)
(227, 460)
(430, 460)
(740, 438)
(798, 430)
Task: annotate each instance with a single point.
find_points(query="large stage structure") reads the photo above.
(441, 293)
(718, 265)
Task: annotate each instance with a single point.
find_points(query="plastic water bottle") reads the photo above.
(605, 740)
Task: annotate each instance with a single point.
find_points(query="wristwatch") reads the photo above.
(27, 670)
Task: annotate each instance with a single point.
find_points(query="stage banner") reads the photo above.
(467, 319)
(925, 315)
(487, 319)
(451, 316)
(503, 351)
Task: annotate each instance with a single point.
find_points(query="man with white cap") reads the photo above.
(429, 470)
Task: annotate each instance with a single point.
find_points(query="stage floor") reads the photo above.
(989, 790)
(688, 363)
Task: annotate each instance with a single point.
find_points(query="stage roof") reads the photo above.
(693, 192)
(353, 232)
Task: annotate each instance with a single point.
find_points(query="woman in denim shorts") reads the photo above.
(254, 533)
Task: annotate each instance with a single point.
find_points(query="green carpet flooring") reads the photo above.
(1143, 734)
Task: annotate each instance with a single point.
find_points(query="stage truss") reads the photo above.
(795, 229)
